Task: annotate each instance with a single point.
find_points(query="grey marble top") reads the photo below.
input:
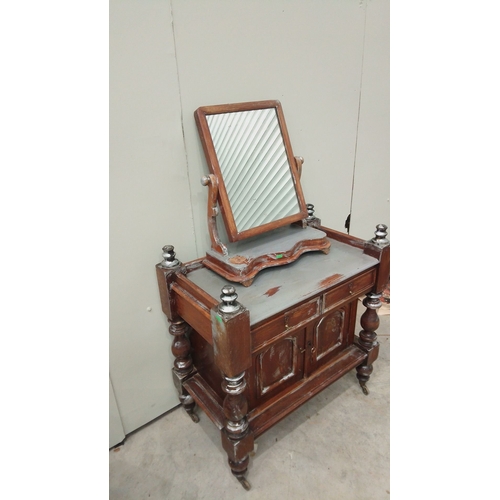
(277, 288)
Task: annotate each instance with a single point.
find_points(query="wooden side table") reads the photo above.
(249, 356)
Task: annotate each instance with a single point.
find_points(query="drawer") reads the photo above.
(348, 290)
(285, 322)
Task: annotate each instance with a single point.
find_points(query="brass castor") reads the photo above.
(244, 482)
(195, 418)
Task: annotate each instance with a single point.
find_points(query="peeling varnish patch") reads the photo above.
(285, 365)
(330, 280)
(217, 332)
(238, 259)
(272, 291)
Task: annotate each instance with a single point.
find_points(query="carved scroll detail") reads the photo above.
(212, 212)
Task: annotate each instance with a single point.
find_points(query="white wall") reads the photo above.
(116, 432)
(149, 203)
(370, 204)
(306, 54)
(169, 58)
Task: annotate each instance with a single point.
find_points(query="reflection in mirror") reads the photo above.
(254, 166)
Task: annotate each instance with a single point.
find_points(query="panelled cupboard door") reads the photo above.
(279, 365)
(299, 353)
(330, 335)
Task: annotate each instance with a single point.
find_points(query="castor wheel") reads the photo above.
(195, 418)
(364, 389)
(244, 482)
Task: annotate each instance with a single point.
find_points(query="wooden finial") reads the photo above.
(310, 211)
(228, 298)
(380, 236)
(169, 259)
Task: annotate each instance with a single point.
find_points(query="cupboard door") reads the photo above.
(331, 334)
(279, 365)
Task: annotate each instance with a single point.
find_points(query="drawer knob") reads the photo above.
(286, 323)
(312, 348)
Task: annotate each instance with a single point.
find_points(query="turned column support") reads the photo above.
(367, 339)
(183, 365)
(181, 346)
(378, 247)
(232, 354)
(237, 440)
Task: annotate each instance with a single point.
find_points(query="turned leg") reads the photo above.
(183, 364)
(233, 355)
(237, 440)
(166, 273)
(368, 338)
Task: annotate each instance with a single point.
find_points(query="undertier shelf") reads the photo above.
(265, 416)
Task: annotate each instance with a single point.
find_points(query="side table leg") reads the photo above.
(237, 440)
(368, 338)
(183, 364)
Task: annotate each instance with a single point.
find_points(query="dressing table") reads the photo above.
(266, 319)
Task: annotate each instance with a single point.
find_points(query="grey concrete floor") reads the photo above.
(336, 446)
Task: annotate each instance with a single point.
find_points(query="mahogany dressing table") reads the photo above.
(259, 330)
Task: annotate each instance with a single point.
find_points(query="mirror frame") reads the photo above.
(214, 167)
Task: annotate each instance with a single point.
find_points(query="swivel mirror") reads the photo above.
(255, 180)
(248, 357)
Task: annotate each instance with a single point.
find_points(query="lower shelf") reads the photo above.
(265, 416)
(206, 399)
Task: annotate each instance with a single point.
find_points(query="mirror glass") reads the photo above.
(248, 151)
(254, 166)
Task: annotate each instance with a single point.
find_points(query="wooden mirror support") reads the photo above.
(255, 182)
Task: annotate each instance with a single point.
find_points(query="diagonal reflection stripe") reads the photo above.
(254, 166)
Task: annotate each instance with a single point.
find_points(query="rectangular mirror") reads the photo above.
(248, 150)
